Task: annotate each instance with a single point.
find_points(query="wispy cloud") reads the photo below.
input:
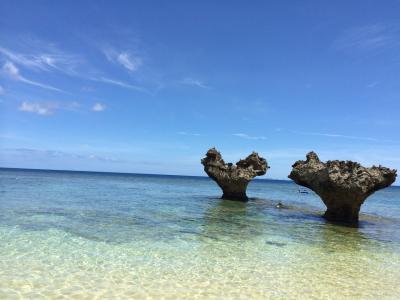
(44, 58)
(54, 60)
(2, 90)
(126, 59)
(37, 108)
(249, 137)
(342, 136)
(11, 71)
(194, 82)
(10, 136)
(188, 133)
(46, 108)
(372, 84)
(41, 62)
(98, 107)
(130, 63)
(120, 83)
(372, 37)
(44, 61)
(59, 154)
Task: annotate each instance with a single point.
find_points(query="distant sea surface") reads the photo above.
(83, 235)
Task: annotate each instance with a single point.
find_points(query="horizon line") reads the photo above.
(152, 174)
(128, 173)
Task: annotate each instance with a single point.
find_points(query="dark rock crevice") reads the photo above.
(342, 185)
(233, 178)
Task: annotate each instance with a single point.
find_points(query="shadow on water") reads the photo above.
(93, 225)
(226, 219)
(370, 231)
(283, 224)
(210, 219)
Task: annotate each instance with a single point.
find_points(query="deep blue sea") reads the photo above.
(86, 235)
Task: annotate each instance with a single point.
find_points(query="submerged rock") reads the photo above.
(233, 179)
(342, 185)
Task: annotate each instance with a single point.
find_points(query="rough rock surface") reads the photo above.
(342, 185)
(233, 179)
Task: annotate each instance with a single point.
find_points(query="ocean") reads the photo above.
(88, 235)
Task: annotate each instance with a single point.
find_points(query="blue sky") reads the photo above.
(149, 86)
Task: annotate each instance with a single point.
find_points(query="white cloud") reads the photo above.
(373, 84)
(44, 61)
(126, 59)
(131, 63)
(45, 57)
(88, 89)
(120, 83)
(98, 107)
(194, 82)
(48, 108)
(51, 154)
(351, 137)
(37, 108)
(188, 133)
(31, 61)
(10, 70)
(249, 137)
(371, 37)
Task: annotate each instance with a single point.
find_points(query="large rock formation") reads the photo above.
(342, 185)
(233, 179)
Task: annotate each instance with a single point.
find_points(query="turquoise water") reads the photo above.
(81, 235)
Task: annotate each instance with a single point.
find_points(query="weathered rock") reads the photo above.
(233, 179)
(342, 185)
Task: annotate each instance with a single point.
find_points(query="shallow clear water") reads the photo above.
(116, 236)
